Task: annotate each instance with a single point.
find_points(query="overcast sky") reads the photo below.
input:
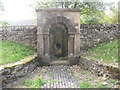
(16, 10)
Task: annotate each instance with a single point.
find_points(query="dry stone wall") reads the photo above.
(90, 34)
(100, 69)
(21, 34)
(14, 72)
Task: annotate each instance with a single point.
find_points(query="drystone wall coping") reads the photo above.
(100, 69)
(12, 72)
(23, 61)
(113, 64)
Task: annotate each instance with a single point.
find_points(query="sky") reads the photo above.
(17, 10)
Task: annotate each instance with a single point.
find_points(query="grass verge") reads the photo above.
(11, 52)
(36, 83)
(106, 52)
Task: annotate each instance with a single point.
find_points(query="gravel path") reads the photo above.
(65, 77)
(59, 77)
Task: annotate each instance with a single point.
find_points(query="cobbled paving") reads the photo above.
(59, 77)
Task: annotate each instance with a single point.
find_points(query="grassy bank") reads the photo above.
(11, 52)
(107, 52)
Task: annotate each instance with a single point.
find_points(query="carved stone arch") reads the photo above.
(56, 20)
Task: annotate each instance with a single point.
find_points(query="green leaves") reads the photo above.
(91, 12)
(3, 24)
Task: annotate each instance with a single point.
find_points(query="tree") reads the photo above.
(114, 18)
(4, 24)
(92, 12)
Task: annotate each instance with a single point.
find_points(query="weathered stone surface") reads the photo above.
(10, 74)
(5, 72)
(100, 70)
(90, 34)
(58, 26)
(59, 77)
(58, 9)
(92, 66)
(93, 34)
(25, 35)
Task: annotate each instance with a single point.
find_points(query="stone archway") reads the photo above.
(58, 41)
(71, 34)
(48, 44)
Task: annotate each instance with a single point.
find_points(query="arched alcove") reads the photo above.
(58, 40)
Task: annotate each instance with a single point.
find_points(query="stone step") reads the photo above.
(59, 62)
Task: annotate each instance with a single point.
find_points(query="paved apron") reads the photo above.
(59, 77)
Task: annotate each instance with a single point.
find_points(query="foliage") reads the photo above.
(114, 18)
(11, 52)
(107, 52)
(91, 12)
(3, 24)
(37, 83)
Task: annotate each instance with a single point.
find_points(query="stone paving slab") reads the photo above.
(59, 77)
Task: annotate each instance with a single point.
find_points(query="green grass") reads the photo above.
(107, 52)
(11, 52)
(112, 81)
(100, 85)
(86, 85)
(50, 74)
(37, 83)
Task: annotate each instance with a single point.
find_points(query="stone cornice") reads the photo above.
(57, 9)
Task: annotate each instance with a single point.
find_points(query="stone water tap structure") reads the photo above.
(58, 35)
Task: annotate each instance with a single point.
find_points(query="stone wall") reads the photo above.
(90, 35)
(21, 34)
(100, 69)
(12, 72)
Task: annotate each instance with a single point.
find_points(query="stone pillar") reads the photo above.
(40, 48)
(77, 45)
(71, 45)
(46, 45)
